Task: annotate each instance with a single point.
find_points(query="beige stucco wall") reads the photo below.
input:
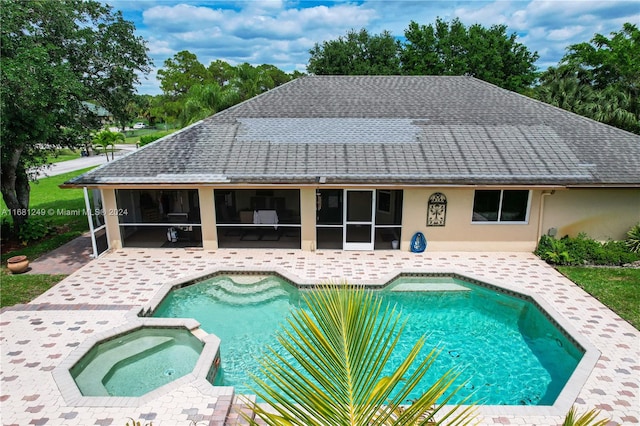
(208, 218)
(308, 219)
(111, 220)
(459, 233)
(603, 214)
(600, 213)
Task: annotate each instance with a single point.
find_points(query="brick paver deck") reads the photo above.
(66, 259)
(102, 295)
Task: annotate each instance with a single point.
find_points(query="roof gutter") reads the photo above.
(608, 186)
(238, 185)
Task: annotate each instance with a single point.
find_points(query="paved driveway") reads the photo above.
(107, 293)
(84, 162)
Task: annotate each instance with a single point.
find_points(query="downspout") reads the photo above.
(541, 212)
(87, 204)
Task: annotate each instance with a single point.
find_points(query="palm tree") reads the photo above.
(613, 106)
(563, 87)
(107, 138)
(570, 87)
(341, 345)
(205, 100)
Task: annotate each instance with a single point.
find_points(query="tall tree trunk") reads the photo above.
(16, 189)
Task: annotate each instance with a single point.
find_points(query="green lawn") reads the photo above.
(617, 288)
(133, 136)
(59, 208)
(25, 287)
(65, 155)
(54, 204)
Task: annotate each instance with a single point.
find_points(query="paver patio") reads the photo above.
(36, 337)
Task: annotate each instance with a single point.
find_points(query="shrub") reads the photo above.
(34, 229)
(147, 139)
(553, 251)
(633, 239)
(615, 253)
(582, 250)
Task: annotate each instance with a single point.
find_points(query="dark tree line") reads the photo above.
(599, 79)
(442, 48)
(192, 91)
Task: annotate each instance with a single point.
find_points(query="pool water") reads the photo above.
(506, 348)
(137, 363)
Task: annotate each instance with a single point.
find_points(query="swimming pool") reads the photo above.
(508, 350)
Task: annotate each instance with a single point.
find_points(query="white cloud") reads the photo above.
(159, 47)
(281, 32)
(566, 33)
(180, 17)
(495, 13)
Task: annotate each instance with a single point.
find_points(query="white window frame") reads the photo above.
(502, 222)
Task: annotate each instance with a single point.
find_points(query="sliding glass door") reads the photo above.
(359, 214)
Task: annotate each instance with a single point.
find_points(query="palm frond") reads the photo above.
(338, 347)
(586, 419)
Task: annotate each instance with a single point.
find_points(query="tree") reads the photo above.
(180, 73)
(453, 49)
(441, 49)
(82, 49)
(221, 72)
(357, 53)
(106, 139)
(562, 87)
(605, 79)
(142, 106)
(339, 347)
(204, 100)
(610, 61)
(189, 92)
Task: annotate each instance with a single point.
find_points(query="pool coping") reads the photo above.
(563, 402)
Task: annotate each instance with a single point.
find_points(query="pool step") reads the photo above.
(90, 380)
(437, 286)
(232, 293)
(262, 285)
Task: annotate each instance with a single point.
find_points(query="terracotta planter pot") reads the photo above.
(17, 264)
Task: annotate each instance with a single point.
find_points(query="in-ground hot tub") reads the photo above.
(138, 362)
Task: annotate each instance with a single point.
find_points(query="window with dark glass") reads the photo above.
(500, 206)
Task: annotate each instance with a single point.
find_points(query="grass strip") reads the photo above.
(25, 287)
(616, 288)
(59, 208)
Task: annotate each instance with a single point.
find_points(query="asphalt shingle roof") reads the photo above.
(391, 129)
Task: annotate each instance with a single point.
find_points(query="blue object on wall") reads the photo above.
(418, 242)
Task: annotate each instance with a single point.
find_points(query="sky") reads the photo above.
(281, 32)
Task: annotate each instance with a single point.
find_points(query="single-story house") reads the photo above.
(365, 162)
(103, 114)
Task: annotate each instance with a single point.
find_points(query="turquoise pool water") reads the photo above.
(137, 363)
(510, 353)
